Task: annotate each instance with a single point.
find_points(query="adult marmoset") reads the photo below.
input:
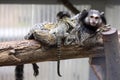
(90, 21)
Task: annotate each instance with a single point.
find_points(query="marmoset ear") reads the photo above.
(102, 13)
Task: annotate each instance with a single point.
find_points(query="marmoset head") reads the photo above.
(62, 14)
(92, 18)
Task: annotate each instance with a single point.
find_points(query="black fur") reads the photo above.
(19, 72)
(62, 14)
(84, 14)
(19, 69)
(103, 19)
(88, 34)
(35, 68)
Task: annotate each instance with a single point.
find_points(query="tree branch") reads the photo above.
(29, 51)
(69, 5)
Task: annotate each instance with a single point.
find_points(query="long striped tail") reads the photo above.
(58, 55)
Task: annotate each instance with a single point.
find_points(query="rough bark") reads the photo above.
(29, 51)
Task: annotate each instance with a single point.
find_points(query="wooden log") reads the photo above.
(29, 51)
(112, 54)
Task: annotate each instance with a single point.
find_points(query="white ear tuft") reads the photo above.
(102, 13)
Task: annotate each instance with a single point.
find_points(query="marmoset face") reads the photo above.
(93, 18)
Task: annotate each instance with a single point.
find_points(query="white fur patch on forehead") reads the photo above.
(95, 13)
